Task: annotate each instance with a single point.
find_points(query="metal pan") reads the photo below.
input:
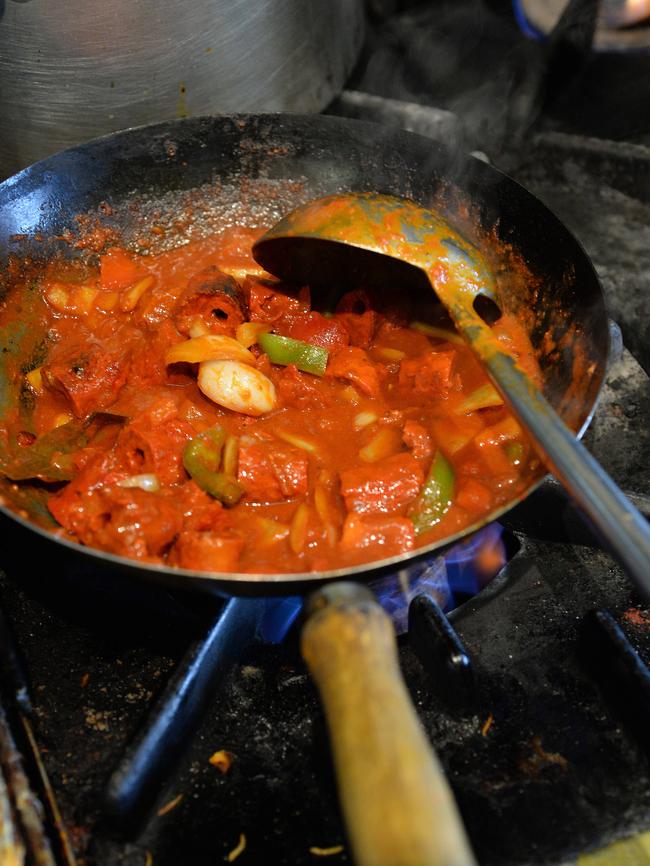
(271, 163)
(396, 804)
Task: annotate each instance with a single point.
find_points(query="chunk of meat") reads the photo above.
(360, 327)
(377, 535)
(386, 300)
(354, 364)
(271, 473)
(267, 304)
(417, 438)
(147, 365)
(319, 331)
(357, 301)
(429, 374)
(296, 389)
(474, 496)
(212, 300)
(126, 521)
(382, 487)
(200, 511)
(147, 444)
(392, 336)
(90, 378)
(206, 551)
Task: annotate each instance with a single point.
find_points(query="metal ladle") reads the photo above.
(360, 224)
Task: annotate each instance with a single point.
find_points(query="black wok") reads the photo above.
(271, 163)
(206, 166)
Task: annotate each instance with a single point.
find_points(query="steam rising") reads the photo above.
(471, 59)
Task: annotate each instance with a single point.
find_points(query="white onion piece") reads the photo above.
(237, 386)
(147, 481)
(364, 419)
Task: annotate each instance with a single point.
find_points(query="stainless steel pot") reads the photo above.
(71, 70)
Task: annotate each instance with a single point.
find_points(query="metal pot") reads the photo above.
(71, 70)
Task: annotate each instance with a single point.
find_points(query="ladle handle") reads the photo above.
(621, 526)
(398, 807)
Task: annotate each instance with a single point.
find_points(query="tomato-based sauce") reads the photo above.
(190, 410)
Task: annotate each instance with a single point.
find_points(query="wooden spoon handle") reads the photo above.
(397, 805)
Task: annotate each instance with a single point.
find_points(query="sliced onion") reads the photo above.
(248, 332)
(299, 441)
(364, 419)
(209, 347)
(147, 481)
(386, 441)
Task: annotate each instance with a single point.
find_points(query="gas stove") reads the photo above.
(535, 693)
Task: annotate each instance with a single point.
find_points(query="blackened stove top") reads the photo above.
(547, 749)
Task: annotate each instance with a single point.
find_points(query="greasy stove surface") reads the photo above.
(601, 191)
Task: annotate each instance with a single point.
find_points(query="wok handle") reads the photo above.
(398, 808)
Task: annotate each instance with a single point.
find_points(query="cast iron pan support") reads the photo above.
(163, 737)
(397, 805)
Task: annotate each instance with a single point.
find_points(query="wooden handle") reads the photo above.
(397, 805)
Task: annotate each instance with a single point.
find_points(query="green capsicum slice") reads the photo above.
(436, 495)
(201, 459)
(285, 350)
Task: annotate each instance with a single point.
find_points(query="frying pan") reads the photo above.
(217, 170)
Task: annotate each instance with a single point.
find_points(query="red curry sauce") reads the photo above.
(341, 470)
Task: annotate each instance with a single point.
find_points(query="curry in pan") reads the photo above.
(185, 408)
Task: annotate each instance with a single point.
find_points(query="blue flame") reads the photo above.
(457, 573)
(279, 616)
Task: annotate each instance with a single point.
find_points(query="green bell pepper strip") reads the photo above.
(201, 459)
(436, 495)
(285, 350)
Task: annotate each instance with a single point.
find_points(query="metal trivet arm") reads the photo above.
(160, 742)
